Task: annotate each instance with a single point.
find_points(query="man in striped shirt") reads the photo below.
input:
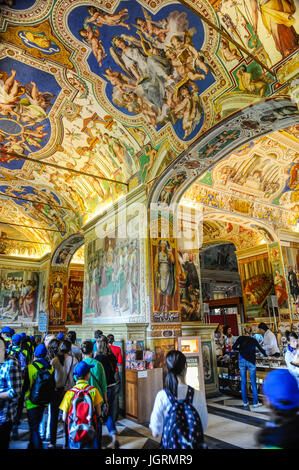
(10, 393)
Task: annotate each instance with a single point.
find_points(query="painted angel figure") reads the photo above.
(152, 29)
(151, 71)
(92, 38)
(39, 98)
(99, 17)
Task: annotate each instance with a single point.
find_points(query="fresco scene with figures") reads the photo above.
(149, 158)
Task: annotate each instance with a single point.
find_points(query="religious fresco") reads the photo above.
(58, 279)
(118, 91)
(220, 258)
(74, 297)
(267, 28)
(65, 251)
(257, 284)
(27, 98)
(152, 63)
(189, 285)
(164, 278)
(112, 273)
(280, 283)
(18, 295)
(291, 263)
(234, 133)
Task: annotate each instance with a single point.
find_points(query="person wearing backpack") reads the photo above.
(180, 412)
(106, 357)
(63, 364)
(39, 389)
(81, 408)
(16, 351)
(97, 378)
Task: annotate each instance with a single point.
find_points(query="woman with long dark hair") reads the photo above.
(175, 386)
(63, 363)
(106, 357)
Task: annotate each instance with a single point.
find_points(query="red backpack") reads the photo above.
(82, 422)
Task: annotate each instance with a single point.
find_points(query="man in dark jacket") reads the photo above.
(246, 346)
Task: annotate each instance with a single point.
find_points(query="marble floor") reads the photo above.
(230, 427)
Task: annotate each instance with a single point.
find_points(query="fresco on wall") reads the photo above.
(74, 297)
(189, 285)
(18, 295)
(291, 263)
(57, 296)
(280, 283)
(164, 276)
(220, 258)
(257, 284)
(112, 289)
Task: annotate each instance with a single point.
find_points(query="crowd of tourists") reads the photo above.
(56, 379)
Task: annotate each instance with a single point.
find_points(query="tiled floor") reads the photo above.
(230, 427)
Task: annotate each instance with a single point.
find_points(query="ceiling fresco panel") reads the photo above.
(109, 95)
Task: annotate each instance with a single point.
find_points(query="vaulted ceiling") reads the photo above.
(98, 97)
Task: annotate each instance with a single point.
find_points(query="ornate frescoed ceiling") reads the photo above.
(99, 97)
(259, 180)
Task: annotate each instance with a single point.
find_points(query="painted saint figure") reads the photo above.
(164, 269)
(277, 17)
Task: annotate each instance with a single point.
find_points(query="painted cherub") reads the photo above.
(96, 44)
(151, 28)
(100, 18)
(188, 54)
(119, 80)
(183, 70)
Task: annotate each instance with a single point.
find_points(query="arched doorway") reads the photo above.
(258, 203)
(59, 281)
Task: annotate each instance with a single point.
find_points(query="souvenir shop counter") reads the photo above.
(229, 373)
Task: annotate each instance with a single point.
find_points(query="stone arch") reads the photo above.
(216, 144)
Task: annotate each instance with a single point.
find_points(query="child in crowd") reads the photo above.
(85, 437)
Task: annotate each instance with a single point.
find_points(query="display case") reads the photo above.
(229, 373)
(191, 347)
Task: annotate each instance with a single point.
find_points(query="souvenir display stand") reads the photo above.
(208, 353)
(191, 347)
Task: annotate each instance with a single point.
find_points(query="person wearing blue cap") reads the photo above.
(38, 391)
(281, 396)
(6, 334)
(60, 336)
(15, 350)
(82, 375)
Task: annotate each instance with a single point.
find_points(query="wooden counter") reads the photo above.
(141, 390)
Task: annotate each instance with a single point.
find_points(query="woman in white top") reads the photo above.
(175, 383)
(59, 354)
(290, 354)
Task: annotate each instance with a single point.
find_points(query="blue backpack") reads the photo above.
(20, 356)
(182, 427)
